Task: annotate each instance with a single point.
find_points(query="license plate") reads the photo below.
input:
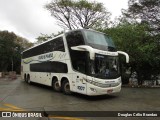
(109, 91)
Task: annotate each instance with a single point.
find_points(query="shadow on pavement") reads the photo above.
(80, 96)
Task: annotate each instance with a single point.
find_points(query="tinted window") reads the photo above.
(54, 66)
(79, 61)
(106, 67)
(78, 58)
(53, 45)
(74, 38)
(99, 40)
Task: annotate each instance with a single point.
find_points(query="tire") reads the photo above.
(66, 87)
(55, 85)
(25, 79)
(28, 79)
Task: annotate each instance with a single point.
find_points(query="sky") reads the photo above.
(29, 18)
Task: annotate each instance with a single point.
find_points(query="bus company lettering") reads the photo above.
(45, 56)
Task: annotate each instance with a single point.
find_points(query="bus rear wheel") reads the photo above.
(66, 87)
(55, 85)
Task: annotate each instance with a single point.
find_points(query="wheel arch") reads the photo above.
(25, 77)
(53, 78)
(28, 75)
(63, 79)
(64, 84)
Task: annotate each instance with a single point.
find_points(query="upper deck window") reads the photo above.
(99, 40)
(74, 38)
(53, 45)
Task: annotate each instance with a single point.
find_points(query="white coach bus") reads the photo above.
(83, 61)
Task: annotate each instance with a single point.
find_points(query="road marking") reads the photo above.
(8, 109)
(65, 118)
(11, 108)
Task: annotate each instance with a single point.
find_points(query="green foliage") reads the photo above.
(144, 51)
(11, 47)
(73, 14)
(45, 37)
(6, 49)
(141, 46)
(146, 11)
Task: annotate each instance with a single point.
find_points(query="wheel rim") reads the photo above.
(28, 80)
(67, 88)
(56, 86)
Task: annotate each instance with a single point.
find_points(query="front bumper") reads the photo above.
(95, 90)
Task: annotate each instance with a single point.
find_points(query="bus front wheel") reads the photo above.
(25, 78)
(28, 79)
(56, 85)
(66, 87)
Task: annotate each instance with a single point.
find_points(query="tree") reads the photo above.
(142, 13)
(6, 49)
(141, 47)
(45, 37)
(11, 47)
(74, 14)
(146, 11)
(20, 45)
(23, 42)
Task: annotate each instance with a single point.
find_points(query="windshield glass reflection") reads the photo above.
(99, 41)
(105, 67)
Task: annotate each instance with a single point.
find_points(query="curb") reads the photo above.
(129, 86)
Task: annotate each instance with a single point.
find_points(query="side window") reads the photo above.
(74, 38)
(58, 44)
(78, 58)
(54, 66)
(53, 45)
(79, 61)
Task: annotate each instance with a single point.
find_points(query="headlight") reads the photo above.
(119, 80)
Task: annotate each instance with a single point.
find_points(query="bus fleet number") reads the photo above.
(80, 87)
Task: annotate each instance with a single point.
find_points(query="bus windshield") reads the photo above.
(105, 67)
(99, 40)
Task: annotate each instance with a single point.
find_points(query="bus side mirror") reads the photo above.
(125, 54)
(85, 48)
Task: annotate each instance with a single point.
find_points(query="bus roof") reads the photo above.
(60, 36)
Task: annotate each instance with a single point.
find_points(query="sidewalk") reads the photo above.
(7, 77)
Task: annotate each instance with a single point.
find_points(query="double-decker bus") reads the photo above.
(83, 61)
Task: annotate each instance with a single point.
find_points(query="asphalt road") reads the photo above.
(16, 95)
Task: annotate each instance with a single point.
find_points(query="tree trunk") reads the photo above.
(139, 77)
